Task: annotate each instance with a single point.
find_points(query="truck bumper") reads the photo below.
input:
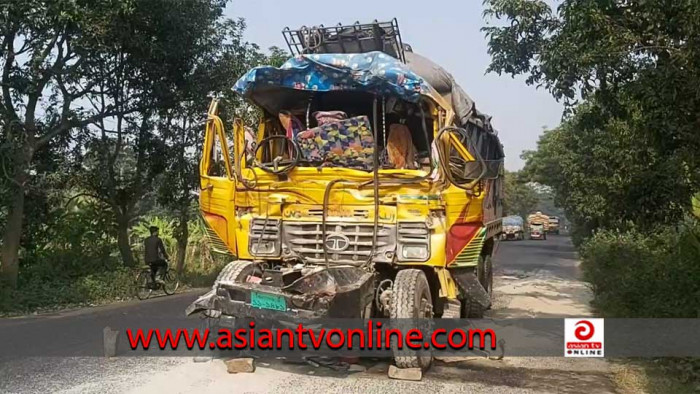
(337, 292)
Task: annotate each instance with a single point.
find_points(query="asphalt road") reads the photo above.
(55, 352)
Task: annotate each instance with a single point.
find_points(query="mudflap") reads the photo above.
(469, 283)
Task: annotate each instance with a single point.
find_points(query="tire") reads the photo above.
(484, 273)
(488, 275)
(143, 291)
(172, 283)
(471, 309)
(237, 271)
(411, 299)
(480, 272)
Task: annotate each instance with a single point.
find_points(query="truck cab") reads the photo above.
(364, 184)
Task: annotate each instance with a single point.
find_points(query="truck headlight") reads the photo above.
(414, 252)
(414, 241)
(264, 237)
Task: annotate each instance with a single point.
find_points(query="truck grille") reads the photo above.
(264, 237)
(350, 243)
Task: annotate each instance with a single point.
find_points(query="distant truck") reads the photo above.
(553, 225)
(513, 228)
(538, 225)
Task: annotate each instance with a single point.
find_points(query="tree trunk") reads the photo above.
(123, 242)
(9, 259)
(182, 236)
(9, 256)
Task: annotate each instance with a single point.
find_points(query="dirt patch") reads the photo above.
(519, 294)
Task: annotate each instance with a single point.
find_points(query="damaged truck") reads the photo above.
(372, 187)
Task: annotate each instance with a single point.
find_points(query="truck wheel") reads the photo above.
(472, 309)
(484, 273)
(237, 271)
(481, 271)
(488, 275)
(410, 299)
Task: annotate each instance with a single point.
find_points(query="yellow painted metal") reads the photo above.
(229, 203)
(457, 144)
(448, 286)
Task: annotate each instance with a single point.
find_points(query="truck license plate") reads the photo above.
(267, 301)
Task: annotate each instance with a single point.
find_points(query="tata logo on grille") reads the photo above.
(337, 242)
(584, 337)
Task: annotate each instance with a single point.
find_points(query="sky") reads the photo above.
(447, 32)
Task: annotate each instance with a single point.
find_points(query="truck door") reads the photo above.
(218, 188)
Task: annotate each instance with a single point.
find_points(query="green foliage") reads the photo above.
(101, 126)
(520, 198)
(81, 265)
(624, 162)
(277, 56)
(636, 67)
(201, 265)
(641, 274)
(606, 173)
(37, 291)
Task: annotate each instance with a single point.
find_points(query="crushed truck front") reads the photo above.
(363, 182)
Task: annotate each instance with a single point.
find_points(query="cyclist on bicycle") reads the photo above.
(156, 256)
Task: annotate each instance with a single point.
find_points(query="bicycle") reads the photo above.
(145, 286)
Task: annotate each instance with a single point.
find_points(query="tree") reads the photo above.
(628, 72)
(222, 59)
(277, 56)
(44, 47)
(520, 198)
(156, 48)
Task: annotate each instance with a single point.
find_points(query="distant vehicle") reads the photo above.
(537, 231)
(538, 225)
(513, 228)
(553, 225)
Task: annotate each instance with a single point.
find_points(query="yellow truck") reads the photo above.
(373, 187)
(553, 225)
(538, 225)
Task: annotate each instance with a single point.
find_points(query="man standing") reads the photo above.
(156, 256)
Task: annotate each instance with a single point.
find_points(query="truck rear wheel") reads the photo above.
(410, 299)
(484, 273)
(487, 276)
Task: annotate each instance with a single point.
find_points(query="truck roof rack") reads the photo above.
(355, 38)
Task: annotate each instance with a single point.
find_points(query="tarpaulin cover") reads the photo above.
(372, 72)
(444, 83)
(512, 221)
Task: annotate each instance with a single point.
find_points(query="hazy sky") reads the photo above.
(447, 32)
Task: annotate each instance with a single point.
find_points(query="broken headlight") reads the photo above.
(264, 239)
(414, 241)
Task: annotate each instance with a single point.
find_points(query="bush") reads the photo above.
(645, 274)
(81, 265)
(37, 292)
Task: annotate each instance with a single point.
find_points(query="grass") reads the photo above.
(651, 376)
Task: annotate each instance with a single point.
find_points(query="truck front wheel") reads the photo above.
(410, 299)
(237, 271)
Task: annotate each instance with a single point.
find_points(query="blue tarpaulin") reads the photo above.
(372, 72)
(512, 221)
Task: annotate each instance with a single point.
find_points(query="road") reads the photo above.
(532, 279)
